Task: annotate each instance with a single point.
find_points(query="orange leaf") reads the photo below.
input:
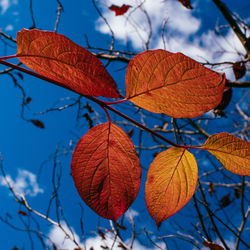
(106, 170)
(232, 152)
(58, 58)
(171, 183)
(174, 84)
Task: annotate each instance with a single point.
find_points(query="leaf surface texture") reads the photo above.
(174, 84)
(106, 170)
(171, 183)
(58, 58)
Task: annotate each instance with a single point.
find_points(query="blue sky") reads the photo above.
(29, 152)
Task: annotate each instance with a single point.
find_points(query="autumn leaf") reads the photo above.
(171, 183)
(28, 100)
(186, 3)
(58, 58)
(106, 170)
(212, 246)
(37, 123)
(232, 152)
(226, 98)
(172, 83)
(239, 69)
(23, 213)
(119, 10)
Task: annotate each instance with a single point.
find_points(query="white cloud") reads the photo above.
(181, 29)
(5, 4)
(134, 27)
(9, 27)
(57, 236)
(25, 183)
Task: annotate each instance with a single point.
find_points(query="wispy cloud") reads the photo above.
(5, 4)
(107, 240)
(180, 31)
(9, 27)
(25, 183)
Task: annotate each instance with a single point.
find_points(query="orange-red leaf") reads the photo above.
(58, 58)
(106, 170)
(120, 10)
(174, 84)
(232, 152)
(171, 183)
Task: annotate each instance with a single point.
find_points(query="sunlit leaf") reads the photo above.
(58, 58)
(120, 10)
(106, 170)
(174, 84)
(171, 183)
(232, 152)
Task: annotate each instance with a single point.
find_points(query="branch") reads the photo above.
(237, 84)
(228, 16)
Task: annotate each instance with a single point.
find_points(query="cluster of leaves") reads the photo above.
(105, 166)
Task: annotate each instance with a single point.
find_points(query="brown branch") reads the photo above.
(237, 84)
(238, 32)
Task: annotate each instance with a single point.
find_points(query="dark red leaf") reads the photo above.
(130, 133)
(211, 188)
(225, 200)
(226, 98)
(22, 213)
(212, 246)
(38, 123)
(186, 3)
(239, 69)
(102, 234)
(28, 100)
(106, 170)
(120, 10)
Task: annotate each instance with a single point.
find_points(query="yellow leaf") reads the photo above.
(171, 183)
(232, 152)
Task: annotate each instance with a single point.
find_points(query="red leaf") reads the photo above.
(38, 123)
(212, 246)
(120, 10)
(22, 213)
(226, 98)
(225, 200)
(186, 3)
(106, 170)
(58, 58)
(28, 100)
(239, 69)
